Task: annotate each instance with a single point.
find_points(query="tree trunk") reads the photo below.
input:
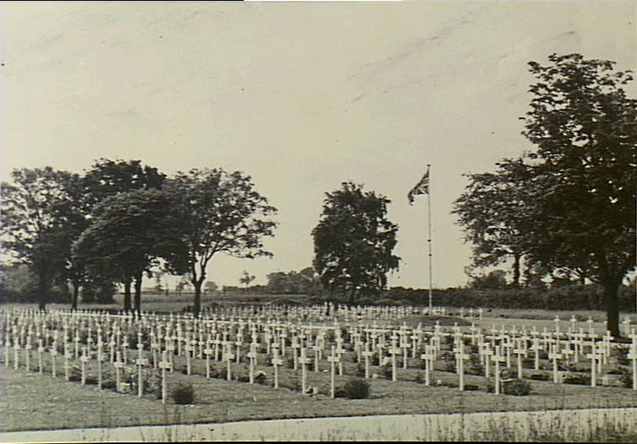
(516, 270)
(76, 293)
(138, 292)
(127, 294)
(43, 289)
(196, 307)
(611, 292)
(352, 297)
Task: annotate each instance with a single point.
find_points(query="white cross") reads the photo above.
(276, 362)
(497, 359)
(164, 365)
(461, 356)
(333, 360)
(393, 351)
(304, 360)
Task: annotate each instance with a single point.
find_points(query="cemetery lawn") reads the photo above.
(31, 401)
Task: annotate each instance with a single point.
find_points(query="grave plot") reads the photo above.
(132, 348)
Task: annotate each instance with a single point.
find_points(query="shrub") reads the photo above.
(540, 377)
(626, 379)
(109, 383)
(517, 387)
(183, 394)
(387, 371)
(578, 379)
(91, 380)
(356, 389)
(260, 377)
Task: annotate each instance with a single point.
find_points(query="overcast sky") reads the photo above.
(300, 96)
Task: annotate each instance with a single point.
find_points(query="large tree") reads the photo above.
(582, 209)
(219, 212)
(490, 211)
(38, 222)
(129, 234)
(105, 179)
(353, 242)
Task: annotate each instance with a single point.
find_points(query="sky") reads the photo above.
(300, 96)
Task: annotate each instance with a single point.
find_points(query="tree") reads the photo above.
(495, 280)
(582, 191)
(37, 223)
(210, 287)
(218, 212)
(302, 282)
(111, 177)
(490, 212)
(131, 231)
(353, 242)
(105, 179)
(246, 279)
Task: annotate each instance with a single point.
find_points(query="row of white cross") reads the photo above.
(222, 340)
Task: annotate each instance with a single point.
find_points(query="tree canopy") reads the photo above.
(572, 207)
(353, 242)
(218, 212)
(38, 219)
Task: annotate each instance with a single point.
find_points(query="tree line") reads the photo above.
(122, 218)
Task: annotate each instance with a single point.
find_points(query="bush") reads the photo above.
(356, 389)
(260, 377)
(578, 379)
(517, 387)
(540, 377)
(183, 394)
(387, 371)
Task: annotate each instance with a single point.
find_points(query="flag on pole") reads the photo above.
(421, 187)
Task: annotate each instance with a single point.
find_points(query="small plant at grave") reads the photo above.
(475, 366)
(360, 370)
(375, 360)
(339, 392)
(387, 371)
(540, 377)
(154, 385)
(91, 380)
(621, 355)
(356, 389)
(450, 366)
(616, 371)
(222, 374)
(471, 388)
(109, 382)
(289, 362)
(260, 377)
(626, 379)
(543, 354)
(419, 379)
(244, 377)
(449, 340)
(183, 394)
(517, 387)
(75, 373)
(528, 362)
(577, 379)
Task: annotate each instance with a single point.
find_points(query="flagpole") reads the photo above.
(429, 240)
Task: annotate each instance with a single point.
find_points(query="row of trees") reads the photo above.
(567, 208)
(121, 218)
